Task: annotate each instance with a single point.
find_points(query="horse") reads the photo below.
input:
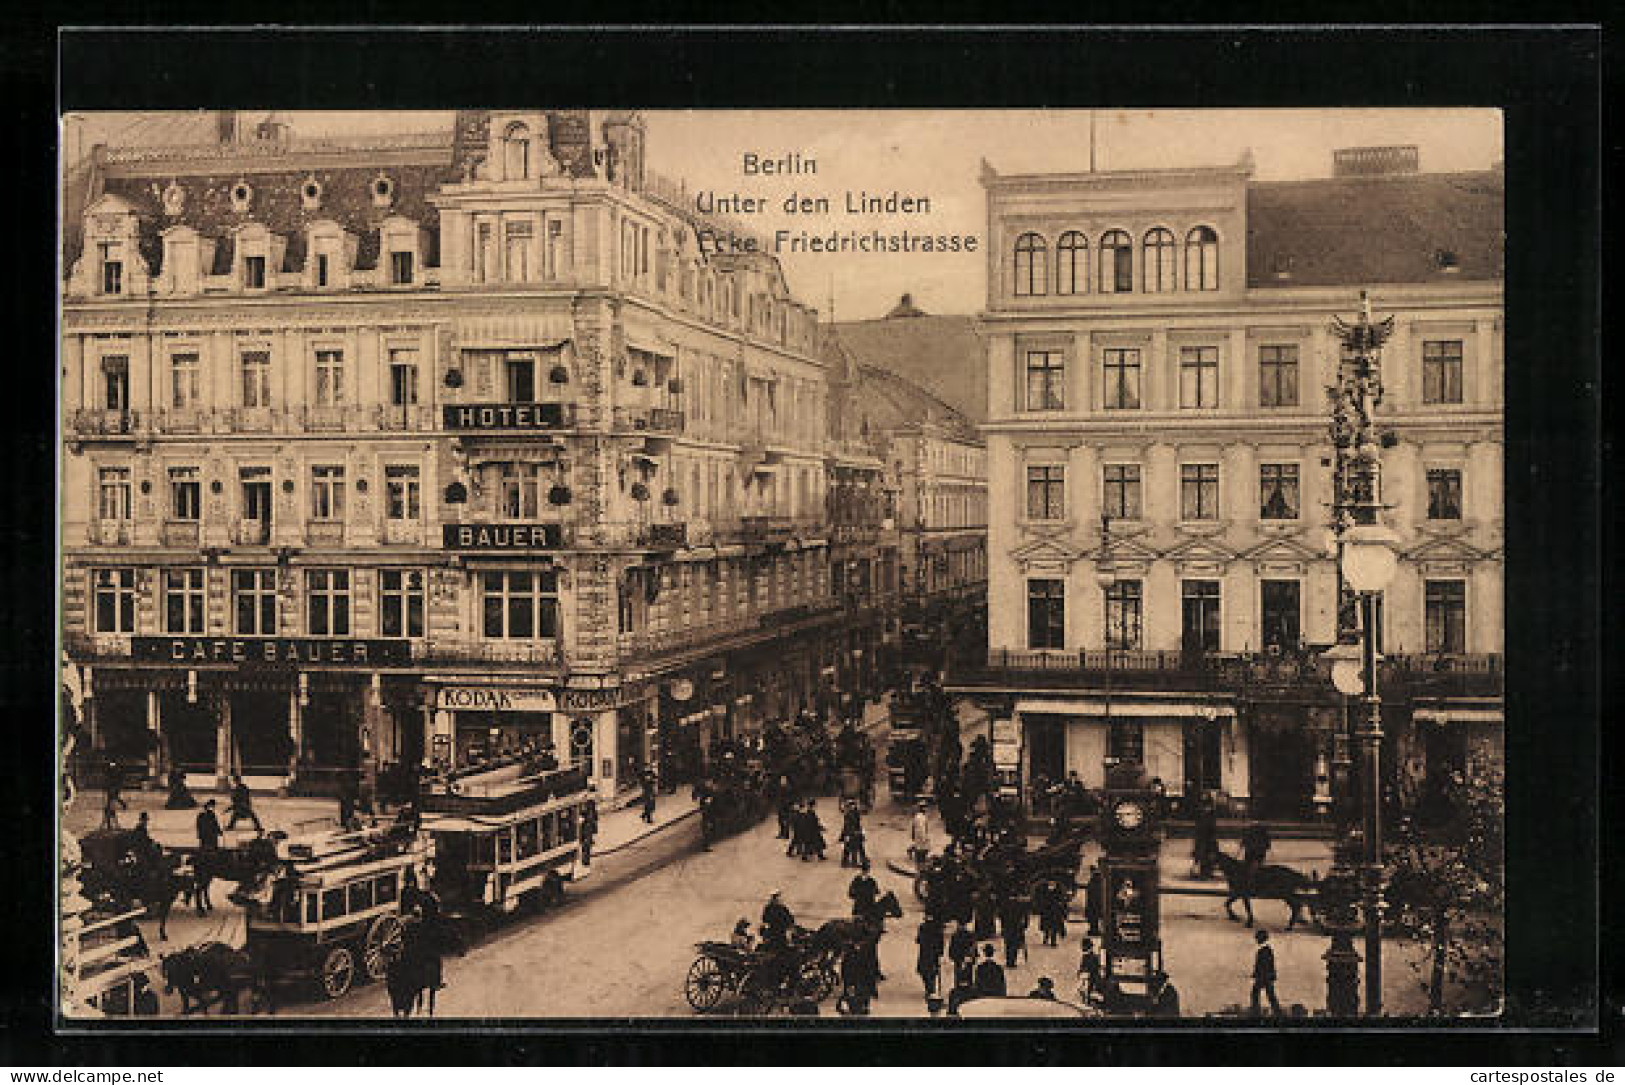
(126, 867)
(415, 972)
(1270, 882)
(835, 937)
(215, 972)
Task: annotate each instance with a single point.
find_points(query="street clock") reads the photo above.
(1128, 812)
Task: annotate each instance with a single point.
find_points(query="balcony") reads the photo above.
(91, 422)
(185, 421)
(324, 533)
(180, 533)
(654, 420)
(546, 652)
(110, 533)
(330, 419)
(252, 533)
(398, 418)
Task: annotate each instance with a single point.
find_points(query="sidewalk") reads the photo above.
(624, 827)
(178, 828)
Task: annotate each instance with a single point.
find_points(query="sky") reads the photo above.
(937, 155)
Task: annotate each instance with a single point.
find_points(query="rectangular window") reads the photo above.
(1199, 491)
(520, 491)
(1046, 614)
(1123, 609)
(327, 602)
(254, 272)
(185, 388)
(1120, 497)
(1446, 616)
(485, 254)
(321, 269)
(116, 382)
(253, 597)
(115, 493)
(1279, 611)
(403, 378)
(400, 268)
(519, 378)
(1444, 493)
(112, 268)
(1122, 380)
(185, 494)
(1046, 380)
(327, 492)
(1198, 377)
(1441, 371)
(183, 601)
(113, 591)
(402, 491)
(1278, 376)
(256, 378)
(256, 484)
(1278, 491)
(1046, 493)
(1200, 628)
(400, 602)
(520, 605)
(329, 378)
(518, 252)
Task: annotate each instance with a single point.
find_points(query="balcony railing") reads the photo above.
(252, 419)
(324, 533)
(649, 420)
(330, 419)
(252, 533)
(110, 532)
(486, 651)
(185, 421)
(403, 533)
(92, 422)
(413, 418)
(660, 642)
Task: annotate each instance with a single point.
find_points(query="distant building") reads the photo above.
(1158, 347)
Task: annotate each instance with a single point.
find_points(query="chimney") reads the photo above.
(1375, 161)
(226, 126)
(905, 307)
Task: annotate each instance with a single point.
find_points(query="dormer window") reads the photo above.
(254, 272)
(242, 197)
(111, 261)
(516, 152)
(400, 268)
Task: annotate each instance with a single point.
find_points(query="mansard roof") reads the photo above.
(1385, 228)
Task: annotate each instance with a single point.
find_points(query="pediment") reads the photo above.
(1046, 550)
(1200, 551)
(1444, 550)
(1283, 548)
(1126, 550)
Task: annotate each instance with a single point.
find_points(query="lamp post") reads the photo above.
(1366, 563)
(1106, 576)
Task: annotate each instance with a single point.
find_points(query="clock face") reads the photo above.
(1129, 815)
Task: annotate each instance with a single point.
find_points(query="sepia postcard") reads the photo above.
(558, 563)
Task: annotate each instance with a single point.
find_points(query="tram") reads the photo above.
(505, 838)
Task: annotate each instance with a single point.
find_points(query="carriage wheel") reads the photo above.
(383, 945)
(818, 978)
(337, 972)
(705, 984)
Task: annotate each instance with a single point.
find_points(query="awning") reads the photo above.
(1097, 706)
(537, 332)
(1443, 716)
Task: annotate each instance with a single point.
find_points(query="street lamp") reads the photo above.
(1367, 561)
(1106, 576)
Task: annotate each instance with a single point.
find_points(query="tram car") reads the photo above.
(505, 838)
(333, 911)
(110, 971)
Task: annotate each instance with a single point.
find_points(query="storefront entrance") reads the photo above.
(260, 741)
(1046, 749)
(332, 746)
(190, 732)
(1202, 756)
(121, 723)
(1282, 751)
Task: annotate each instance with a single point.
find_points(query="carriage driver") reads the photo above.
(777, 923)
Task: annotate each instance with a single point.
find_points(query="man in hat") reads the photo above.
(777, 922)
(920, 835)
(1044, 990)
(208, 849)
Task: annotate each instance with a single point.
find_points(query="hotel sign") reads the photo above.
(272, 651)
(505, 416)
(495, 699)
(520, 538)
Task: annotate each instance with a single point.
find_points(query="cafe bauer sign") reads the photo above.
(272, 651)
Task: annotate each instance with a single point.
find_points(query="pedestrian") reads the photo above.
(1255, 844)
(1205, 844)
(852, 849)
(989, 979)
(1045, 989)
(786, 806)
(1093, 892)
(1264, 973)
(919, 836)
(242, 805)
(203, 864)
(983, 909)
(180, 797)
(815, 832)
(929, 961)
(648, 781)
(1050, 903)
(798, 831)
(962, 952)
(863, 892)
(1089, 971)
(347, 819)
(114, 800)
(589, 830)
(1013, 928)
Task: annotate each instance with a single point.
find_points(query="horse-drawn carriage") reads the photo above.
(1020, 872)
(760, 980)
(732, 798)
(333, 913)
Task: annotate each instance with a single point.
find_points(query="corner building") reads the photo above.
(410, 449)
(1160, 578)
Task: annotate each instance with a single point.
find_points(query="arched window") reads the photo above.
(1032, 266)
(1071, 263)
(516, 152)
(1202, 259)
(1116, 264)
(1159, 261)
